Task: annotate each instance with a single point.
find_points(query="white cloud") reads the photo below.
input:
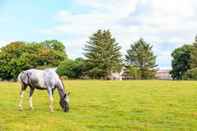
(174, 7)
(119, 8)
(158, 22)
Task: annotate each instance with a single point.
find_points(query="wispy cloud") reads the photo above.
(165, 24)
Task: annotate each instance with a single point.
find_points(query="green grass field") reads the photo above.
(105, 106)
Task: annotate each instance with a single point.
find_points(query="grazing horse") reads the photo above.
(44, 80)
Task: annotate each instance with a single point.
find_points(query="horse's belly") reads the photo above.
(38, 83)
(40, 88)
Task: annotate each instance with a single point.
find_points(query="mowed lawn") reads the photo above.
(105, 106)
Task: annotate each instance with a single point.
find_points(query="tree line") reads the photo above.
(18, 56)
(102, 57)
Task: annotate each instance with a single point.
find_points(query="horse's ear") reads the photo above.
(67, 94)
(64, 95)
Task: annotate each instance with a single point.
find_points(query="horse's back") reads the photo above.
(42, 78)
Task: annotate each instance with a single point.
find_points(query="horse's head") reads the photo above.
(64, 102)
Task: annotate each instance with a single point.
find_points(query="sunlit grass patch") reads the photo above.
(105, 105)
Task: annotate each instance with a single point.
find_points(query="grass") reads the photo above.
(105, 106)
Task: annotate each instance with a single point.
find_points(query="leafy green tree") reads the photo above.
(51, 53)
(18, 56)
(134, 72)
(66, 68)
(103, 55)
(181, 61)
(141, 56)
(74, 69)
(81, 68)
(11, 62)
(194, 54)
(190, 74)
(54, 44)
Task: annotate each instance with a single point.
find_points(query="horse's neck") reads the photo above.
(60, 88)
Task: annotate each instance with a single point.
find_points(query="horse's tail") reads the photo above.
(19, 77)
(23, 77)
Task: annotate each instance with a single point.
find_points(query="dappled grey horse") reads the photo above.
(45, 80)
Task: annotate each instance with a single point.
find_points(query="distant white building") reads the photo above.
(163, 74)
(117, 75)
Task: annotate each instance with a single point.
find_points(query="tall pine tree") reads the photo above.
(141, 56)
(103, 55)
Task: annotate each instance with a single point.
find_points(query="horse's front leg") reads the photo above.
(22, 91)
(30, 98)
(50, 99)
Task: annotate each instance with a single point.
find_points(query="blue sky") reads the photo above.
(162, 23)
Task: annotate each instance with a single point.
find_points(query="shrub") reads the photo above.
(74, 69)
(191, 74)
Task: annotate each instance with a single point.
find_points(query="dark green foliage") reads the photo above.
(54, 44)
(134, 72)
(12, 60)
(51, 53)
(141, 56)
(74, 69)
(181, 61)
(103, 55)
(18, 56)
(190, 74)
(184, 63)
(66, 68)
(194, 55)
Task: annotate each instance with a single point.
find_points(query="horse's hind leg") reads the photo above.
(22, 90)
(30, 98)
